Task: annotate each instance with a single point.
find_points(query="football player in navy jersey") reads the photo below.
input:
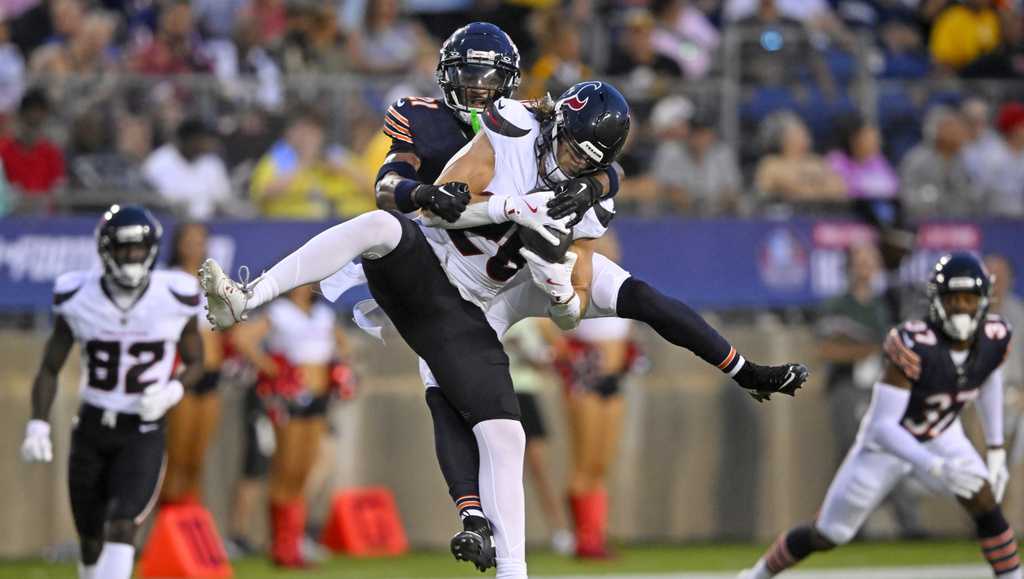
(130, 322)
(479, 65)
(913, 427)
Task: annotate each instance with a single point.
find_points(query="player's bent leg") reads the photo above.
(789, 549)
(995, 536)
(615, 292)
(865, 478)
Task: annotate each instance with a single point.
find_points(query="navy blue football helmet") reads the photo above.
(128, 240)
(958, 272)
(592, 120)
(479, 64)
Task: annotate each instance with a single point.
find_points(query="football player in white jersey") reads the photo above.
(130, 322)
(428, 280)
(913, 427)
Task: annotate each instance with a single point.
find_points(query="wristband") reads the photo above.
(403, 195)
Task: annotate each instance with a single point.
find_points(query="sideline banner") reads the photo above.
(711, 264)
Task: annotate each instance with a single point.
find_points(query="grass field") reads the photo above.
(632, 561)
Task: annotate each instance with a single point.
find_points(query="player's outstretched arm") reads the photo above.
(398, 167)
(44, 388)
(37, 446)
(990, 410)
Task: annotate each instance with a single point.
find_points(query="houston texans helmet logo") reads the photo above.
(579, 100)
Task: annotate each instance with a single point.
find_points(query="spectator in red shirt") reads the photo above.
(33, 164)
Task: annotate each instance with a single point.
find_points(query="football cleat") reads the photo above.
(225, 298)
(475, 543)
(763, 381)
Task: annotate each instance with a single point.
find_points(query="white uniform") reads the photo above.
(869, 474)
(125, 351)
(475, 262)
(300, 337)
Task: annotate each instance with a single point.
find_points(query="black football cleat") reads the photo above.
(763, 381)
(474, 543)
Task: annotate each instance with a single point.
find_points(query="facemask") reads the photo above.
(960, 326)
(131, 274)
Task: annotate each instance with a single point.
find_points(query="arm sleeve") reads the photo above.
(883, 426)
(990, 408)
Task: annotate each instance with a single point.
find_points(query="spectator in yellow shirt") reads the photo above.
(965, 32)
(299, 179)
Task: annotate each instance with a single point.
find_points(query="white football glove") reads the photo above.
(554, 279)
(956, 476)
(37, 446)
(531, 211)
(157, 399)
(998, 475)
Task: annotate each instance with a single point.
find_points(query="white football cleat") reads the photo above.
(225, 298)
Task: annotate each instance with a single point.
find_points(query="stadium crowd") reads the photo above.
(273, 107)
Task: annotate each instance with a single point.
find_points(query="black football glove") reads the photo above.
(575, 196)
(447, 201)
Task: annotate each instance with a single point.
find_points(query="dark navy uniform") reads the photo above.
(428, 129)
(939, 394)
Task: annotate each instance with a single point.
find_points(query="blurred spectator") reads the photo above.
(249, 134)
(792, 172)
(175, 49)
(859, 161)
(312, 43)
(685, 35)
(271, 17)
(215, 19)
(636, 59)
(935, 179)
(32, 163)
(85, 52)
(595, 37)
(983, 143)
(109, 161)
(297, 180)
(850, 331)
(816, 15)
(559, 64)
(12, 72)
(421, 81)
(697, 173)
(774, 46)
(239, 60)
(965, 32)
(67, 17)
(187, 173)
(1003, 177)
(388, 43)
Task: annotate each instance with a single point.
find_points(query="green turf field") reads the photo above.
(631, 560)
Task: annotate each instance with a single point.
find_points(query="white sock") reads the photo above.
(372, 235)
(502, 448)
(760, 571)
(86, 571)
(1015, 574)
(116, 561)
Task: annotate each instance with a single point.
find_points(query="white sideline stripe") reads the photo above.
(951, 572)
